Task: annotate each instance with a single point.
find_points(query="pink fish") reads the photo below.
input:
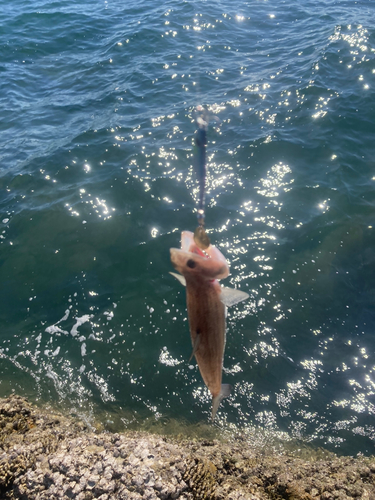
(206, 305)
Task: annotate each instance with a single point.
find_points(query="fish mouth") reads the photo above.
(187, 240)
(190, 260)
(194, 264)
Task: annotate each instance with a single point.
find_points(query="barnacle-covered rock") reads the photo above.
(200, 475)
(47, 456)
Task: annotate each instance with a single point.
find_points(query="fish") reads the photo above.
(199, 270)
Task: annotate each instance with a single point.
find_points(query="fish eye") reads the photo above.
(191, 263)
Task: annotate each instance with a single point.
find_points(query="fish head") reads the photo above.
(191, 261)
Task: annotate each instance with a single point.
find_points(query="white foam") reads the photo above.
(65, 317)
(83, 349)
(79, 321)
(109, 315)
(55, 329)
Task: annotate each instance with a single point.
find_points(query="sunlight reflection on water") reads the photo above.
(89, 216)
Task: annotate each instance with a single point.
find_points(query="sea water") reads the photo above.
(97, 183)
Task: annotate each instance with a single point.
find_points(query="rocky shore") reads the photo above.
(46, 455)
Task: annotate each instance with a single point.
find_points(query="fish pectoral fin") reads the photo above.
(232, 296)
(224, 393)
(180, 278)
(195, 346)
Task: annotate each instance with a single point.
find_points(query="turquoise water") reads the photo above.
(96, 180)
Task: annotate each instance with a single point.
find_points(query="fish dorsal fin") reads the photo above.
(232, 296)
(180, 278)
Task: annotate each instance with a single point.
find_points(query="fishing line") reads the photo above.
(202, 121)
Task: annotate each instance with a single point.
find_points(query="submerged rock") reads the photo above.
(44, 455)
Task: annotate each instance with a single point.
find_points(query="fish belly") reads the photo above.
(206, 315)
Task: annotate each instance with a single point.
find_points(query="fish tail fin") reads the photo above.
(224, 393)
